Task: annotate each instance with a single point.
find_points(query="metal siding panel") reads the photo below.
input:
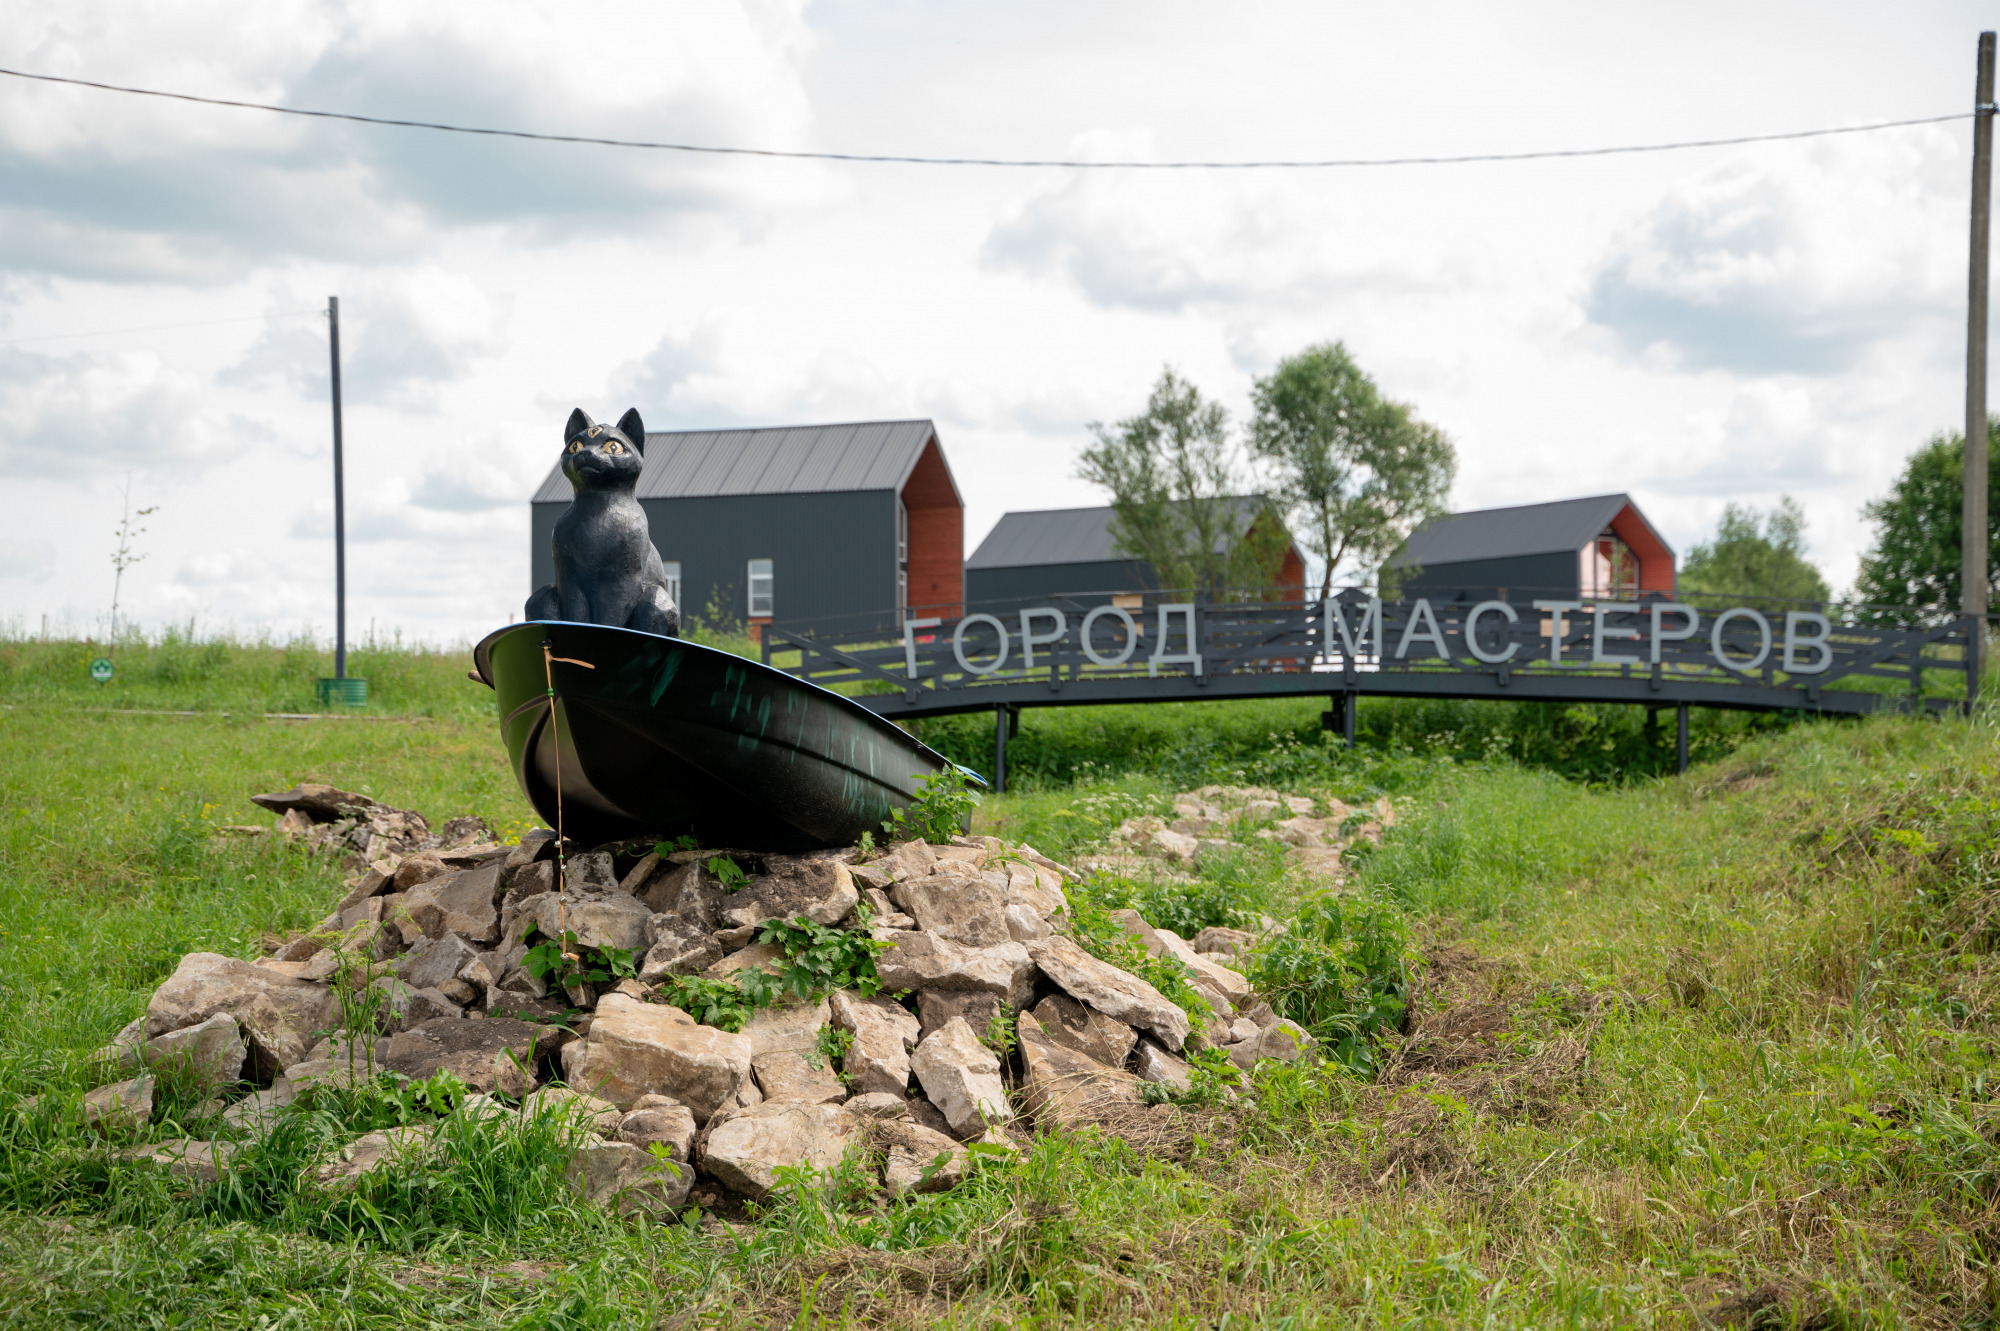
(1092, 582)
(1553, 576)
(541, 531)
(833, 554)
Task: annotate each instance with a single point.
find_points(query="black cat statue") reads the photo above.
(607, 571)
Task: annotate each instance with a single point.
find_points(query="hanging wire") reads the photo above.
(908, 160)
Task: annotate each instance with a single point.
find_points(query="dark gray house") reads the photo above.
(820, 527)
(1068, 553)
(1601, 547)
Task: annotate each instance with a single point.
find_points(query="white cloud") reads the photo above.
(1779, 264)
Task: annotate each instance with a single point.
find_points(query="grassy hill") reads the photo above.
(1680, 1050)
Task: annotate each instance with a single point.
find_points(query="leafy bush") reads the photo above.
(1341, 972)
(942, 811)
(818, 959)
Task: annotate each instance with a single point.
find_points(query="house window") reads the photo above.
(902, 555)
(673, 570)
(1610, 571)
(760, 580)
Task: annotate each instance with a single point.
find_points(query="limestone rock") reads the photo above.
(676, 946)
(1037, 888)
(434, 960)
(1215, 938)
(786, 1075)
(124, 1049)
(277, 1015)
(366, 1154)
(906, 860)
(1024, 924)
(201, 1162)
(409, 1007)
(611, 920)
(258, 1111)
(462, 903)
(1156, 1064)
(1233, 984)
(210, 1054)
(818, 888)
(600, 1116)
(764, 956)
(121, 1105)
(962, 1078)
(301, 948)
(745, 1151)
(1090, 1033)
(910, 1151)
(795, 1027)
(536, 844)
(878, 1104)
(962, 850)
(689, 892)
(372, 883)
(631, 1180)
(924, 961)
(494, 1056)
(671, 1126)
(638, 1048)
(1114, 993)
(1284, 1040)
(970, 912)
(322, 804)
(935, 1007)
(1064, 1087)
(590, 873)
(418, 869)
(884, 1033)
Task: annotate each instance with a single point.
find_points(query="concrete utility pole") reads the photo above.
(340, 497)
(1972, 570)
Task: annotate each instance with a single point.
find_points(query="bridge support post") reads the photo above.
(1680, 737)
(1348, 707)
(1000, 719)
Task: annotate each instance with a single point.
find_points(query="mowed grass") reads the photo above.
(1705, 1049)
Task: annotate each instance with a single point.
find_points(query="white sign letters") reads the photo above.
(1740, 639)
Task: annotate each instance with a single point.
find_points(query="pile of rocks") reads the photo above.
(434, 930)
(1315, 832)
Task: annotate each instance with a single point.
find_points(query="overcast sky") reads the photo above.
(1694, 327)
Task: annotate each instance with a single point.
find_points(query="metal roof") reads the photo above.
(1061, 536)
(1500, 533)
(786, 459)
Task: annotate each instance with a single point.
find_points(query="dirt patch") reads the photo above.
(1779, 1305)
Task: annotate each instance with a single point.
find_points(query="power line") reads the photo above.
(999, 161)
(156, 328)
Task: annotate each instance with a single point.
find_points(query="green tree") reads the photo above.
(1360, 471)
(1176, 500)
(1919, 525)
(1753, 560)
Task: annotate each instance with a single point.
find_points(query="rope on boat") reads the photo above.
(562, 865)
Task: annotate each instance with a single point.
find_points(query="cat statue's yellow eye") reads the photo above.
(613, 447)
(575, 444)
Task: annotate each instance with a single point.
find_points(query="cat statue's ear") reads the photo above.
(633, 428)
(579, 423)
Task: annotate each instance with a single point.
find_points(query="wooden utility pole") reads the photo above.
(340, 498)
(1972, 569)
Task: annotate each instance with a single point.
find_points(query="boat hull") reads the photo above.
(664, 737)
